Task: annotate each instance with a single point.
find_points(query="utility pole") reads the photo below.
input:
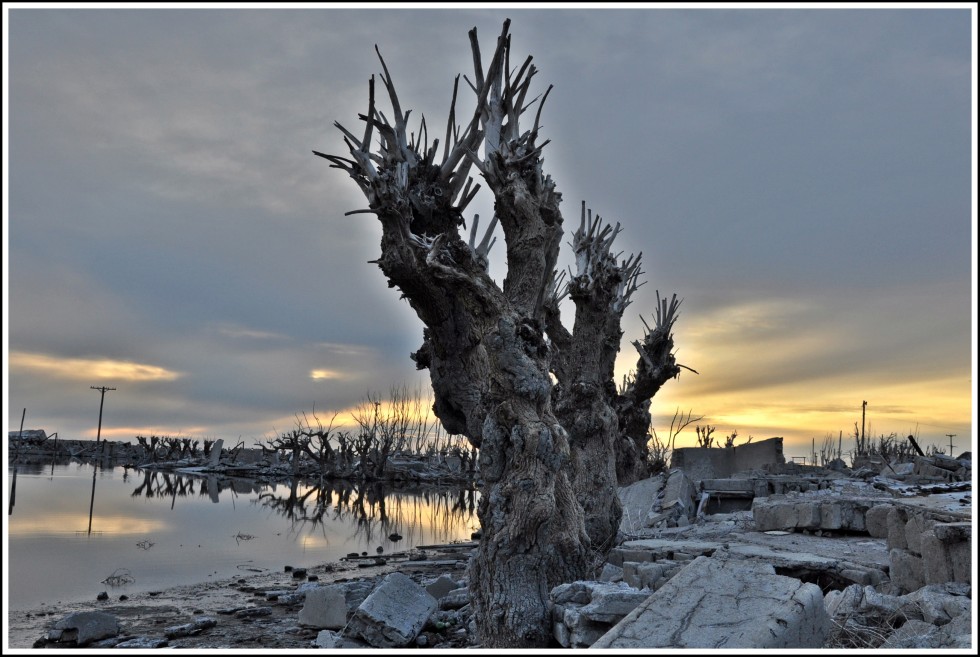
(951, 436)
(864, 405)
(103, 390)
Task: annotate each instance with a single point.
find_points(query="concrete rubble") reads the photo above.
(394, 614)
(331, 606)
(83, 628)
(776, 555)
(584, 611)
(885, 548)
(719, 604)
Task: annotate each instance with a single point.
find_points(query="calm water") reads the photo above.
(73, 526)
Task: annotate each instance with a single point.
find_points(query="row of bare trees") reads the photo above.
(399, 427)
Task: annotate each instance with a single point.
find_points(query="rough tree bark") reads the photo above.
(548, 453)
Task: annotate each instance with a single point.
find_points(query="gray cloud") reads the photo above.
(165, 208)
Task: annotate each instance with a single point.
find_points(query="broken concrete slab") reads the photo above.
(583, 611)
(718, 462)
(638, 500)
(643, 575)
(84, 627)
(196, 626)
(334, 640)
(756, 609)
(394, 614)
(876, 520)
(325, 607)
(811, 512)
(679, 496)
(611, 573)
(653, 549)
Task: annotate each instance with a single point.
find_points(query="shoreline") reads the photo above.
(272, 624)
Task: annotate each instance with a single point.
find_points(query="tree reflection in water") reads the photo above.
(418, 515)
(374, 512)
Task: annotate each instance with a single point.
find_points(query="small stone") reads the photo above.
(102, 596)
(422, 641)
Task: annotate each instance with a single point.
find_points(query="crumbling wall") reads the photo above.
(718, 462)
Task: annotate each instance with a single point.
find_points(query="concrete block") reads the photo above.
(586, 636)
(85, 627)
(769, 513)
(844, 602)
(862, 577)
(876, 520)
(855, 514)
(578, 593)
(610, 602)
(878, 604)
(831, 516)
(742, 485)
(561, 634)
(393, 615)
(934, 605)
(325, 608)
(936, 561)
(624, 554)
(637, 500)
(333, 640)
(642, 575)
(759, 610)
(953, 532)
(961, 556)
(907, 573)
(897, 517)
(611, 573)
(808, 515)
(916, 525)
(680, 492)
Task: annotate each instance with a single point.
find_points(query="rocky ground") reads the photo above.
(251, 612)
(884, 555)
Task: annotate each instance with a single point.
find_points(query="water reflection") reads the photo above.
(84, 522)
(377, 514)
(373, 512)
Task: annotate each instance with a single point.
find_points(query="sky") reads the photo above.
(801, 177)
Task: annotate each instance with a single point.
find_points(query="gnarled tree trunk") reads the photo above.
(548, 454)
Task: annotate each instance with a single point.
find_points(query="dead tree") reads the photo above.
(546, 451)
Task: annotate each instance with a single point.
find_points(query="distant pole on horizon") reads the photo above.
(951, 436)
(103, 390)
(864, 405)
